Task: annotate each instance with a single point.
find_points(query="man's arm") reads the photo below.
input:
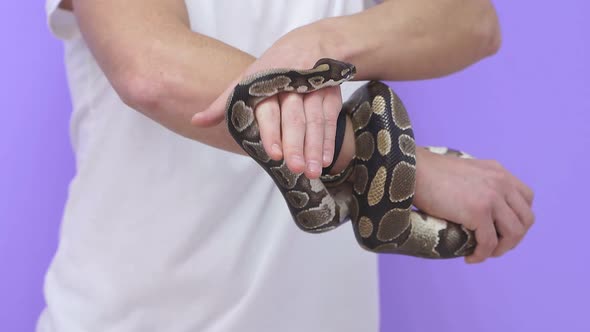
(399, 39)
(161, 68)
(157, 65)
(416, 39)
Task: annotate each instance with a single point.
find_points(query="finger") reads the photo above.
(293, 130)
(507, 177)
(314, 134)
(509, 228)
(520, 206)
(487, 241)
(332, 107)
(523, 189)
(215, 112)
(268, 117)
(526, 192)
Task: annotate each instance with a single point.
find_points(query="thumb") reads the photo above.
(215, 113)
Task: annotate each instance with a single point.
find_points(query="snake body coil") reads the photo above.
(376, 190)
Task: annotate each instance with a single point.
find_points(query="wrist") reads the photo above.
(423, 184)
(332, 39)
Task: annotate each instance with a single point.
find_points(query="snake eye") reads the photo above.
(348, 72)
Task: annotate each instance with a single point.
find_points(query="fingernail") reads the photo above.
(327, 157)
(313, 166)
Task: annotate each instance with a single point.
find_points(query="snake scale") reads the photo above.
(376, 190)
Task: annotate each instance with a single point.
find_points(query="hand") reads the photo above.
(299, 127)
(479, 194)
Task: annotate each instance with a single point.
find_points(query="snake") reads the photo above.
(376, 190)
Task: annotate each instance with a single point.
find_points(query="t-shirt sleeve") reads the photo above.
(62, 23)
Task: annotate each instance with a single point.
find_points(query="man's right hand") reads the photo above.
(478, 194)
(299, 127)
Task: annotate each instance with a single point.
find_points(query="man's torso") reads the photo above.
(161, 233)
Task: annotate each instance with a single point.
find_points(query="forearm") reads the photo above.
(161, 68)
(409, 40)
(414, 39)
(158, 65)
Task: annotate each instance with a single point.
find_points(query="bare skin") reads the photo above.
(66, 4)
(155, 63)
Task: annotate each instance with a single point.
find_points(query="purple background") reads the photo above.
(527, 107)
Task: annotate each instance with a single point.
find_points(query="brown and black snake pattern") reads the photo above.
(376, 190)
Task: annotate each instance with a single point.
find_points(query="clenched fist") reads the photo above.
(479, 194)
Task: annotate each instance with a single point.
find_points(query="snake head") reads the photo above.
(339, 71)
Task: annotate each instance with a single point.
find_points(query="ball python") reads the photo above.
(376, 190)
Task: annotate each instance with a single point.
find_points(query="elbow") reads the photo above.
(487, 30)
(138, 88)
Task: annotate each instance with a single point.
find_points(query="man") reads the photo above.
(163, 233)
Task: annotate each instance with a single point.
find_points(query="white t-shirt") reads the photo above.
(162, 233)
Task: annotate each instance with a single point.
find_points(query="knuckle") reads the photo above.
(492, 242)
(484, 246)
(292, 148)
(268, 128)
(471, 224)
(315, 120)
(497, 179)
(530, 192)
(530, 219)
(263, 120)
(296, 119)
(492, 197)
(333, 112)
(482, 206)
(330, 123)
(314, 146)
(488, 243)
(514, 235)
(501, 176)
(478, 211)
(520, 232)
(328, 144)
